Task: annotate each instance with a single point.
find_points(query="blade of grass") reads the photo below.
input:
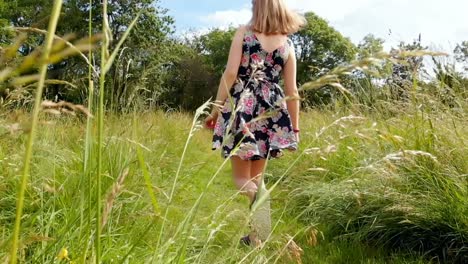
(89, 138)
(112, 57)
(29, 146)
(146, 175)
(102, 84)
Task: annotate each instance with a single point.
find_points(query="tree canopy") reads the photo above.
(155, 67)
(147, 49)
(320, 48)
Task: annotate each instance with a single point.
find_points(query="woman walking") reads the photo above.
(253, 117)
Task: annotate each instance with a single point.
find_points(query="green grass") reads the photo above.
(56, 207)
(382, 185)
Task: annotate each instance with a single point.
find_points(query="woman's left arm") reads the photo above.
(289, 75)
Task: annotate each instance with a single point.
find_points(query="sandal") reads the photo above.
(254, 200)
(245, 240)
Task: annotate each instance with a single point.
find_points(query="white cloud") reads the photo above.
(441, 23)
(331, 9)
(227, 18)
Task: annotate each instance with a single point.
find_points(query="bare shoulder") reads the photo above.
(242, 29)
(240, 33)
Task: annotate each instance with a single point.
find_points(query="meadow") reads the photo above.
(377, 178)
(364, 188)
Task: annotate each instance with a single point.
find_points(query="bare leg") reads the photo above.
(242, 177)
(256, 170)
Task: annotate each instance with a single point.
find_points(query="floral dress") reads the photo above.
(254, 122)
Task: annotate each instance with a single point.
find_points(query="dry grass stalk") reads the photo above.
(64, 107)
(294, 251)
(14, 128)
(366, 65)
(116, 190)
(312, 237)
(408, 154)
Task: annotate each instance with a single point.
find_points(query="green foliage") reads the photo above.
(366, 85)
(190, 81)
(193, 74)
(24, 13)
(215, 46)
(405, 73)
(370, 46)
(320, 48)
(450, 86)
(461, 54)
(140, 65)
(5, 34)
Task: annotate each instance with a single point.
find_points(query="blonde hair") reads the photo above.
(274, 17)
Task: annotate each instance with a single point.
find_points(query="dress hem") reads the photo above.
(276, 150)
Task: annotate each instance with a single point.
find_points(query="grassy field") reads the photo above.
(383, 187)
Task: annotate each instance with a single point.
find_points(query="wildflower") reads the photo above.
(63, 254)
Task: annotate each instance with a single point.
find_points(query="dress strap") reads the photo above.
(289, 45)
(248, 32)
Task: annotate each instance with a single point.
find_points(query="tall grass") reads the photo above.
(398, 183)
(366, 187)
(207, 233)
(86, 201)
(100, 142)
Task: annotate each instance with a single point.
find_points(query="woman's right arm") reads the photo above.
(232, 67)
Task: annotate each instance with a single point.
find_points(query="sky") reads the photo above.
(441, 23)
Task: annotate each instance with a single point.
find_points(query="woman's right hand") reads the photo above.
(210, 121)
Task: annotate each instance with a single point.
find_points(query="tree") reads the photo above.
(365, 83)
(403, 74)
(148, 47)
(190, 81)
(320, 48)
(370, 46)
(193, 76)
(214, 47)
(461, 54)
